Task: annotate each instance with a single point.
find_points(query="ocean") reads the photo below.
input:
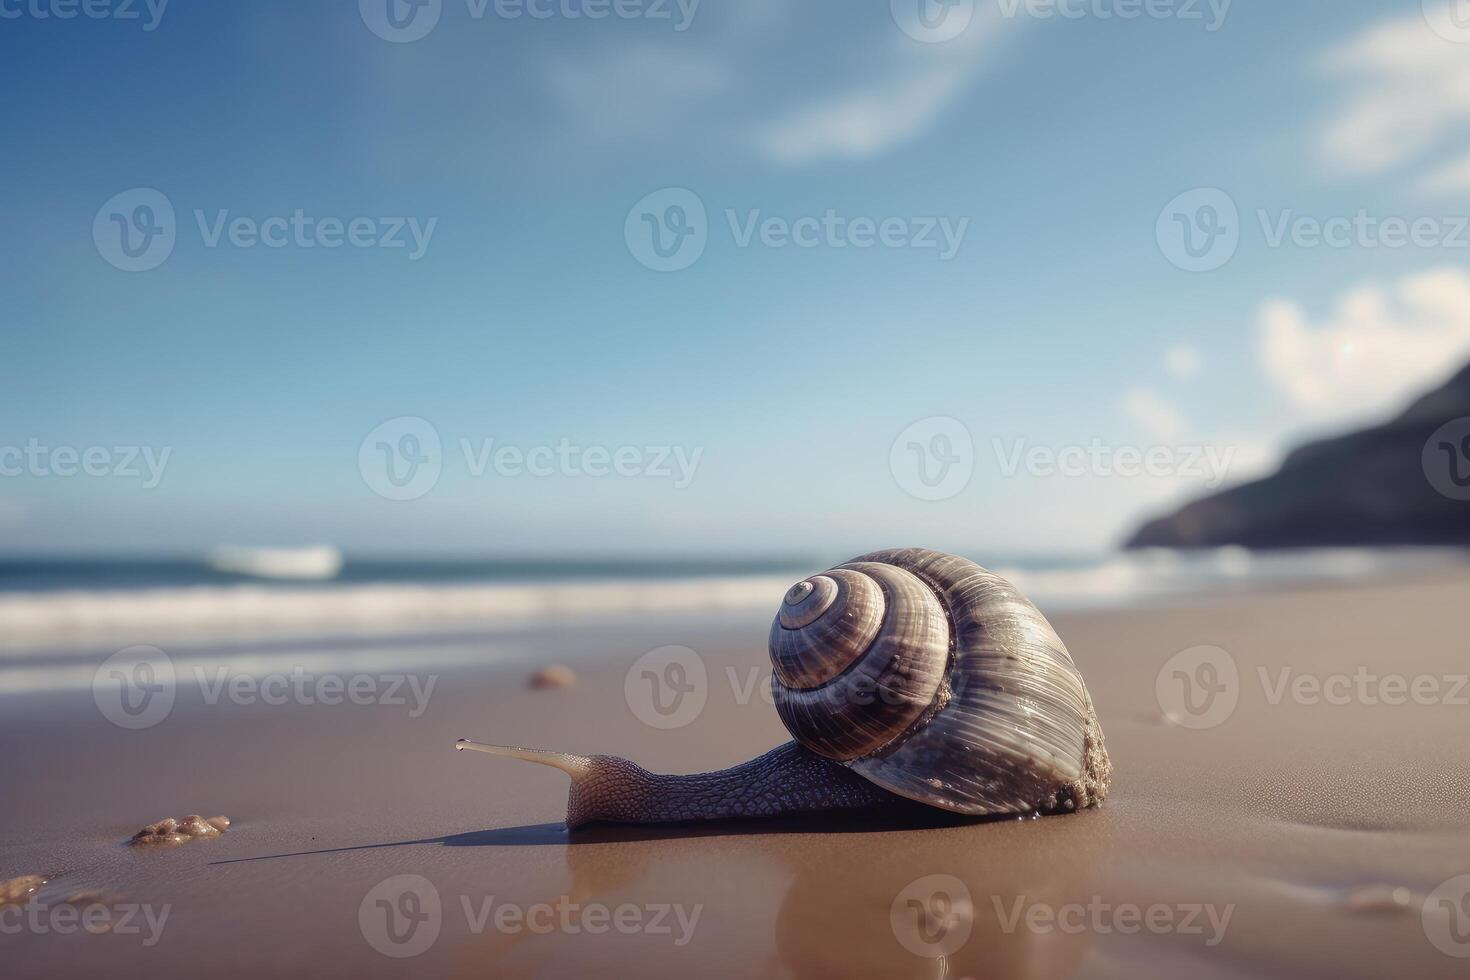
(60, 618)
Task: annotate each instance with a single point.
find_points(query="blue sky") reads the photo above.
(518, 146)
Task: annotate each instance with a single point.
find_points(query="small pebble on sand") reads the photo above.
(555, 676)
(171, 831)
(18, 891)
(1378, 899)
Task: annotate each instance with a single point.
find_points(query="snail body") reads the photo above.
(904, 673)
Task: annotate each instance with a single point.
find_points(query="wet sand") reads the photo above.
(1297, 839)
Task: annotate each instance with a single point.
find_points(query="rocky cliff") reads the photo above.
(1388, 485)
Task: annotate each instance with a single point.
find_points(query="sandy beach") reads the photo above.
(391, 380)
(1294, 834)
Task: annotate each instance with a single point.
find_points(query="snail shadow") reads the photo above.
(890, 818)
(886, 819)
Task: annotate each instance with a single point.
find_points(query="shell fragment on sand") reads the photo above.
(172, 831)
(18, 891)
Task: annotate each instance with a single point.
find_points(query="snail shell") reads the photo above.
(906, 673)
(937, 680)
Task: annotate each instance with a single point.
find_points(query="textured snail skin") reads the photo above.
(905, 673)
(788, 779)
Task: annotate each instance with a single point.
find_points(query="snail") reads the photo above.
(904, 673)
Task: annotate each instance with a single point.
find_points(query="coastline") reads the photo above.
(1303, 818)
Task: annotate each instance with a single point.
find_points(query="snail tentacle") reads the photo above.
(787, 779)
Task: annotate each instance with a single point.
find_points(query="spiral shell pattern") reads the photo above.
(937, 680)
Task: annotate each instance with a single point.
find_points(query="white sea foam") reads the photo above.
(33, 623)
(318, 562)
(69, 619)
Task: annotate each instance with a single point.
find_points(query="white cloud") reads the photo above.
(862, 123)
(1377, 350)
(884, 91)
(1181, 361)
(911, 95)
(1151, 410)
(1410, 89)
